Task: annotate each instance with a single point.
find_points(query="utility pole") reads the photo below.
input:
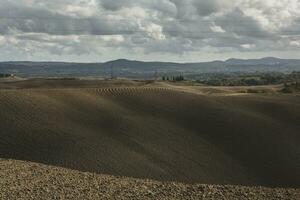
(155, 75)
(112, 71)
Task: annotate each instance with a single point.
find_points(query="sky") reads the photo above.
(162, 30)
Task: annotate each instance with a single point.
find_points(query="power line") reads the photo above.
(112, 71)
(127, 20)
(193, 33)
(96, 30)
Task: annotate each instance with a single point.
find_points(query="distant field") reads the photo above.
(154, 130)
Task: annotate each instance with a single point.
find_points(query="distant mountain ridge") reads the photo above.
(262, 61)
(145, 69)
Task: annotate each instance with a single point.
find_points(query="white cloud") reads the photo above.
(248, 46)
(295, 43)
(154, 31)
(175, 28)
(113, 38)
(217, 29)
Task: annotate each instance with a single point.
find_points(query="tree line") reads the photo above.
(173, 78)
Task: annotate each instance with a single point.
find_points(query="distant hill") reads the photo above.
(139, 69)
(263, 61)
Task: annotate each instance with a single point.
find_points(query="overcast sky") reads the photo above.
(168, 30)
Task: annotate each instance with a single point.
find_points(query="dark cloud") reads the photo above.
(236, 22)
(145, 27)
(40, 20)
(115, 4)
(205, 8)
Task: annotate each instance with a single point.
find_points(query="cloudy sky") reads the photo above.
(168, 30)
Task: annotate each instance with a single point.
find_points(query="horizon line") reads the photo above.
(147, 61)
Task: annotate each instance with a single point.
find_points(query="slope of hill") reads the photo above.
(156, 132)
(25, 180)
(263, 61)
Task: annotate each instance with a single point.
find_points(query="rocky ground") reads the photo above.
(25, 180)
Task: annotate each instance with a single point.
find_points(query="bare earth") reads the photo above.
(26, 180)
(163, 132)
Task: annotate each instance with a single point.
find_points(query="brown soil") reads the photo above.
(25, 180)
(151, 131)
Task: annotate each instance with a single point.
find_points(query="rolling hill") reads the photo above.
(154, 131)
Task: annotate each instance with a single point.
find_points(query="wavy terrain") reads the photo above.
(156, 132)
